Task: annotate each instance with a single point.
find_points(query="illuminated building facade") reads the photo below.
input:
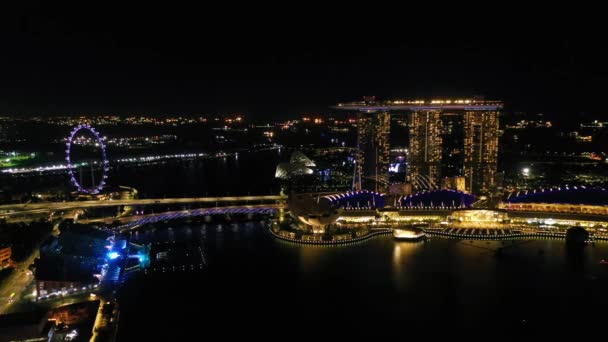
(5, 256)
(556, 208)
(373, 151)
(480, 150)
(425, 149)
(575, 200)
(428, 137)
(453, 183)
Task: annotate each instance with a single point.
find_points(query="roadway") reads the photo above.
(17, 283)
(37, 208)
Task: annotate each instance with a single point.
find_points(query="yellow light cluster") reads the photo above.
(398, 102)
(406, 234)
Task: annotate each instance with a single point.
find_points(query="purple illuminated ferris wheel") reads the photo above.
(95, 186)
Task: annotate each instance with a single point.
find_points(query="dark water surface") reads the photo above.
(248, 173)
(252, 285)
(251, 172)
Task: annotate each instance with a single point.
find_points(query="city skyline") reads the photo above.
(263, 171)
(129, 216)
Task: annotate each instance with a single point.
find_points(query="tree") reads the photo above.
(576, 237)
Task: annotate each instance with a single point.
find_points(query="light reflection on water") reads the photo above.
(402, 256)
(436, 279)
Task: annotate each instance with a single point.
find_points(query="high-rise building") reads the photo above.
(480, 150)
(448, 138)
(424, 156)
(373, 151)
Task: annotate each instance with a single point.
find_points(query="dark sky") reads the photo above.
(140, 60)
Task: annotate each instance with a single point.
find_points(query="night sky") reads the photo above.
(122, 60)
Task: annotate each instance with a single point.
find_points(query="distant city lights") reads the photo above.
(129, 160)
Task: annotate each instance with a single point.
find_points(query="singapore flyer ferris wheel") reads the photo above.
(98, 169)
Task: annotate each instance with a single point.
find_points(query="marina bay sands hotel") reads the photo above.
(424, 158)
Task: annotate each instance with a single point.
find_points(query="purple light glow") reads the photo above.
(96, 189)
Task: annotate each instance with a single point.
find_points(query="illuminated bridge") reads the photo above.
(262, 209)
(38, 208)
